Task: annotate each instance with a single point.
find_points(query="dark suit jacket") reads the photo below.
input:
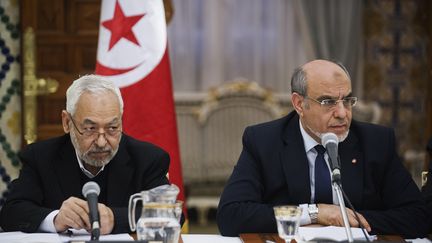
(50, 174)
(273, 170)
(427, 193)
(427, 189)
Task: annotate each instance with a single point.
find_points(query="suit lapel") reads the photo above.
(68, 172)
(352, 163)
(295, 163)
(119, 176)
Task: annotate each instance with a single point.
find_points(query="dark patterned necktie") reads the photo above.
(323, 191)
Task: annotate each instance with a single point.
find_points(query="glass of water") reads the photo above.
(288, 221)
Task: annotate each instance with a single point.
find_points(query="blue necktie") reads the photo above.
(323, 191)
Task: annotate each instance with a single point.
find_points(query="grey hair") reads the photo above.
(299, 78)
(93, 84)
(298, 82)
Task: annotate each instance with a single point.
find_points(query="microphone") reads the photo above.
(91, 191)
(330, 142)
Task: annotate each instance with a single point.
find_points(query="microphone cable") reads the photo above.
(355, 212)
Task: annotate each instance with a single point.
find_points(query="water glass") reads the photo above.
(288, 221)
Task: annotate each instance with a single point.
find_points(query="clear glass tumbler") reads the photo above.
(288, 221)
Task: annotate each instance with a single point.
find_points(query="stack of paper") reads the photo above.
(331, 233)
(20, 237)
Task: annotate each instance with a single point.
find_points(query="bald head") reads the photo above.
(316, 70)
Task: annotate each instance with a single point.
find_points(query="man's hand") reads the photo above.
(329, 214)
(74, 213)
(106, 216)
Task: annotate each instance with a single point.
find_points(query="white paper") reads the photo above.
(20, 237)
(200, 238)
(330, 233)
(82, 235)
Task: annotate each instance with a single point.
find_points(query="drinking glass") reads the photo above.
(288, 221)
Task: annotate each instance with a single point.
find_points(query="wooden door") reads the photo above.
(66, 33)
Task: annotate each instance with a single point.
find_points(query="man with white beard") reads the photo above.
(46, 197)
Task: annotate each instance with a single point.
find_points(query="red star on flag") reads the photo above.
(121, 26)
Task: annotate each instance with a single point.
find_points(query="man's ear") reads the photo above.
(297, 101)
(65, 121)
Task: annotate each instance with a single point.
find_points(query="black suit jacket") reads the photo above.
(427, 189)
(273, 170)
(50, 174)
(427, 193)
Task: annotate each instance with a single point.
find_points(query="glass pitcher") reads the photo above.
(159, 221)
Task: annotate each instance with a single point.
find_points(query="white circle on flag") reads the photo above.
(132, 62)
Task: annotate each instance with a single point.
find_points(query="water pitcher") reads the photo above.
(160, 214)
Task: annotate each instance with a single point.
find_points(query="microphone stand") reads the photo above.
(95, 231)
(336, 182)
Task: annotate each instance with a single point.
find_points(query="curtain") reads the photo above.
(333, 29)
(212, 42)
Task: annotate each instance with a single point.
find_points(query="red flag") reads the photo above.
(132, 51)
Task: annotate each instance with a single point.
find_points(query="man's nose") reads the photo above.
(101, 140)
(340, 110)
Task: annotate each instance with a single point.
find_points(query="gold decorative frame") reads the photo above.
(32, 86)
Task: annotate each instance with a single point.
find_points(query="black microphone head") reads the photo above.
(329, 137)
(90, 187)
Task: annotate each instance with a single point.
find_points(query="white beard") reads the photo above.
(318, 134)
(86, 158)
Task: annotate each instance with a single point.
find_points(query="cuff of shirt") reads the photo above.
(47, 224)
(305, 219)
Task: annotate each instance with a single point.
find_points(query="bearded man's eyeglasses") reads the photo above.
(91, 131)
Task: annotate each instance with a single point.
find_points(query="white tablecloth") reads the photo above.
(200, 238)
(19, 237)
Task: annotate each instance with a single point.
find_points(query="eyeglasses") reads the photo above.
(93, 131)
(348, 102)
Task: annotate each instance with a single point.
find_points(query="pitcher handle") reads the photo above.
(131, 210)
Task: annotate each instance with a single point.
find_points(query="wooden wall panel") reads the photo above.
(50, 16)
(85, 58)
(51, 57)
(85, 17)
(66, 40)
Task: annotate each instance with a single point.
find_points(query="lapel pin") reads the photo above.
(354, 161)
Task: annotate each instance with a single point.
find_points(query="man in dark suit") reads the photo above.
(427, 188)
(46, 197)
(279, 165)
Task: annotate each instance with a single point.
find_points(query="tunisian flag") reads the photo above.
(132, 51)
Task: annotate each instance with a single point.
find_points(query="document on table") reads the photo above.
(332, 233)
(18, 237)
(82, 235)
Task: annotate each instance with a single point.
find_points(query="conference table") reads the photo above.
(185, 238)
(270, 238)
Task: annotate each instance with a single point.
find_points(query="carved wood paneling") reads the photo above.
(85, 17)
(66, 38)
(51, 57)
(85, 56)
(49, 15)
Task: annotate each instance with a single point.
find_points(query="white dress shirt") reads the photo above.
(311, 153)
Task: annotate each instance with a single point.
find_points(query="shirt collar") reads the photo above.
(84, 170)
(309, 142)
